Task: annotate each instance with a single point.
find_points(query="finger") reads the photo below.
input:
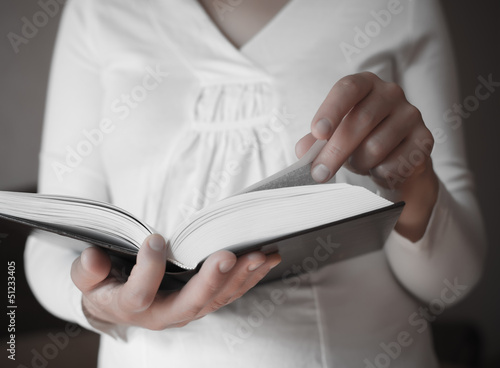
(184, 305)
(90, 269)
(383, 139)
(358, 123)
(249, 270)
(407, 160)
(140, 290)
(345, 94)
(272, 260)
(245, 266)
(304, 144)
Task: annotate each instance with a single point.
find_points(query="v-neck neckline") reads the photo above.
(259, 34)
(202, 45)
(243, 53)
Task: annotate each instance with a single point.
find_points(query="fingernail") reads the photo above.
(320, 173)
(227, 266)
(254, 266)
(257, 260)
(323, 127)
(157, 243)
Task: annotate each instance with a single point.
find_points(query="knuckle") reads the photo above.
(209, 284)
(364, 117)
(192, 312)
(384, 171)
(350, 84)
(258, 275)
(370, 76)
(419, 167)
(240, 277)
(218, 303)
(212, 288)
(136, 301)
(203, 315)
(238, 294)
(413, 113)
(429, 138)
(375, 149)
(239, 280)
(354, 163)
(333, 151)
(425, 140)
(428, 135)
(394, 91)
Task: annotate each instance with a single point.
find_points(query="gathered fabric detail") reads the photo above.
(233, 103)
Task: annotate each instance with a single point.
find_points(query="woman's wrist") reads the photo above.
(420, 195)
(419, 192)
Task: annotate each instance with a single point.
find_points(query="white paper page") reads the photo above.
(295, 175)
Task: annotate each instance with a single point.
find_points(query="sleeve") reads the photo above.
(69, 158)
(449, 257)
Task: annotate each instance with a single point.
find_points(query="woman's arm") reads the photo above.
(374, 129)
(371, 128)
(453, 247)
(73, 106)
(81, 288)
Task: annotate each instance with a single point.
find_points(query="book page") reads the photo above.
(261, 216)
(297, 174)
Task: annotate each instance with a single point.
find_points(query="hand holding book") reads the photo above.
(219, 253)
(222, 279)
(373, 130)
(276, 215)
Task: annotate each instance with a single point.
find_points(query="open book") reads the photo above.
(310, 225)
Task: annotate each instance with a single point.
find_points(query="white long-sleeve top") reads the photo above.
(151, 108)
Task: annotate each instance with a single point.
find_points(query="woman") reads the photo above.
(164, 107)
